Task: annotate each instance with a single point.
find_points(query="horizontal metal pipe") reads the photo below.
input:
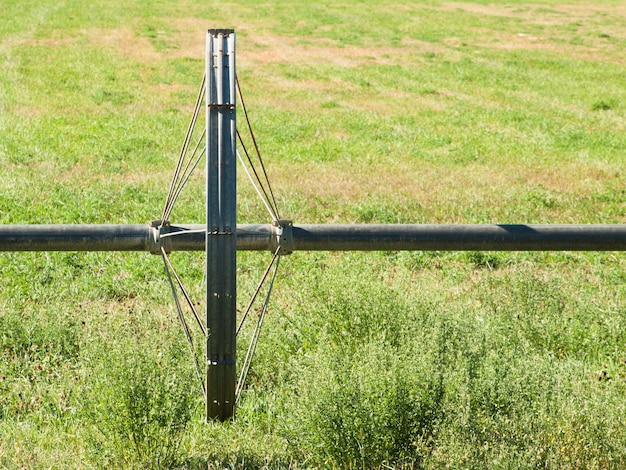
(126, 237)
(74, 237)
(423, 237)
(454, 237)
(250, 237)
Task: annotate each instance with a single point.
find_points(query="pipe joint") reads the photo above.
(282, 237)
(155, 241)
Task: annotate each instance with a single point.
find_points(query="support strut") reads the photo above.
(221, 224)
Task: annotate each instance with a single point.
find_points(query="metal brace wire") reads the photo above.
(255, 335)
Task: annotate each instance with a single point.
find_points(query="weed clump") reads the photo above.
(603, 104)
(369, 409)
(143, 407)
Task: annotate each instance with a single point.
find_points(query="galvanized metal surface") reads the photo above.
(221, 224)
(352, 237)
(460, 237)
(75, 237)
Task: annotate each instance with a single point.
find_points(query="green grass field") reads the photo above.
(365, 112)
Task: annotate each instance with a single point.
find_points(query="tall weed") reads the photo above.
(142, 408)
(368, 409)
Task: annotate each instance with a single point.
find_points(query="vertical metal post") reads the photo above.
(221, 237)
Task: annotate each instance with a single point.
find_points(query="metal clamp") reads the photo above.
(282, 237)
(155, 242)
(227, 106)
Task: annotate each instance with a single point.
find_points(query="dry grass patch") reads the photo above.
(271, 49)
(494, 189)
(188, 39)
(555, 15)
(580, 31)
(597, 51)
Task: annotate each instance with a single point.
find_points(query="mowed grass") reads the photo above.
(365, 112)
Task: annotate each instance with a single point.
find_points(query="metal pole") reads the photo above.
(221, 224)
(263, 237)
(460, 237)
(74, 237)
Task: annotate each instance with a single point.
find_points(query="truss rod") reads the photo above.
(366, 237)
